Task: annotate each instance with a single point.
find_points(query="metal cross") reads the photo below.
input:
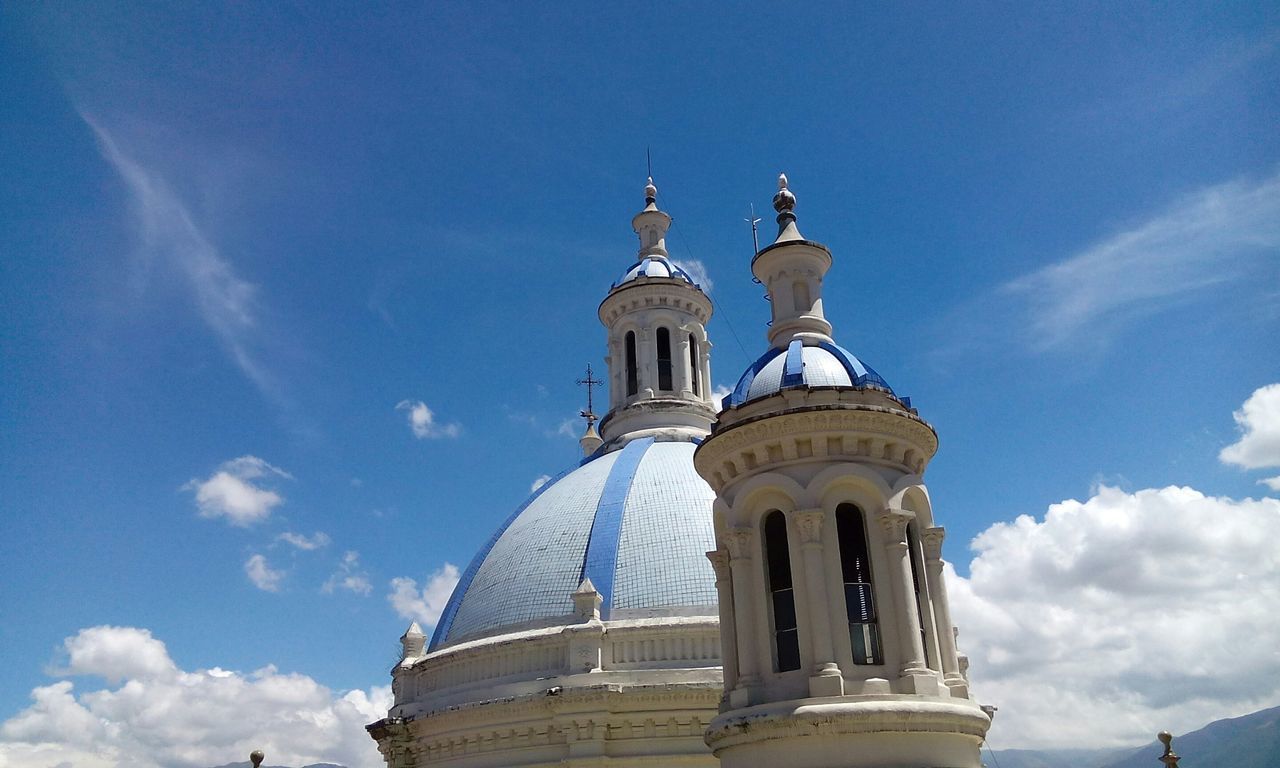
(753, 221)
(590, 383)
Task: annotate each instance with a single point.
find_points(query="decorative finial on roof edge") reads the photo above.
(414, 631)
(650, 192)
(1169, 758)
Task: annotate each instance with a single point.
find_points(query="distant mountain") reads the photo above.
(1052, 758)
(1251, 741)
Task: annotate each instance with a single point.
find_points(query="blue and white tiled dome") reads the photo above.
(821, 365)
(636, 521)
(654, 266)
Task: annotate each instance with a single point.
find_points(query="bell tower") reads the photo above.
(838, 644)
(659, 354)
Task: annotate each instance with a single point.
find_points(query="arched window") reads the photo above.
(782, 597)
(922, 594)
(859, 596)
(800, 295)
(664, 359)
(693, 364)
(633, 381)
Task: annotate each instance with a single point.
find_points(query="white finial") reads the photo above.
(782, 181)
(650, 191)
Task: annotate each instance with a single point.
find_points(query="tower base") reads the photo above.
(815, 733)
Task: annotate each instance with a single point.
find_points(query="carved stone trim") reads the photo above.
(809, 524)
(739, 542)
(931, 540)
(894, 524)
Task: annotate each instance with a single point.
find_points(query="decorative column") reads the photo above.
(724, 593)
(704, 349)
(647, 363)
(826, 679)
(617, 363)
(894, 523)
(681, 376)
(741, 543)
(931, 539)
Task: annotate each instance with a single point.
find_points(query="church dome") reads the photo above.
(821, 365)
(654, 266)
(635, 521)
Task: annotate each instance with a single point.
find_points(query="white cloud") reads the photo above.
(263, 576)
(348, 577)
(567, 428)
(698, 271)
(718, 394)
(116, 653)
(1209, 238)
(160, 715)
(169, 232)
(231, 492)
(424, 605)
(1122, 615)
(423, 421)
(1259, 444)
(538, 482)
(307, 543)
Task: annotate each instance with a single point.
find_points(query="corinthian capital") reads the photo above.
(719, 562)
(739, 542)
(809, 524)
(894, 524)
(931, 539)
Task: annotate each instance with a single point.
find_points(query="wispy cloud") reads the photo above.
(303, 542)
(262, 575)
(698, 271)
(422, 421)
(1214, 236)
(348, 577)
(538, 482)
(167, 229)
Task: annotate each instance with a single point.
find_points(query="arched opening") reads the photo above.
(923, 604)
(693, 365)
(664, 359)
(633, 381)
(859, 596)
(782, 597)
(800, 295)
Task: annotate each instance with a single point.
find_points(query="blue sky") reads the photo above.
(234, 240)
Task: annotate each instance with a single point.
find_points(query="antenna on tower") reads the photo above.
(590, 383)
(755, 234)
(648, 162)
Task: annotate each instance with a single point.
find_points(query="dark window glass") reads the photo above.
(859, 597)
(786, 638)
(664, 359)
(633, 382)
(693, 364)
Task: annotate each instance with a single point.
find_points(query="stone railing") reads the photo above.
(624, 646)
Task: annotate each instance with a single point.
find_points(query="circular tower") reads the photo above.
(839, 648)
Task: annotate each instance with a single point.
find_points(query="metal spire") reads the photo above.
(755, 233)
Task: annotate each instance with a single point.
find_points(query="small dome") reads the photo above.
(635, 521)
(823, 365)
(654, 266)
